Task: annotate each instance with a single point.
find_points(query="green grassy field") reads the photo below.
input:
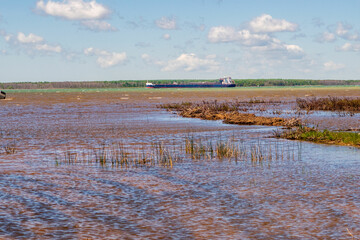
(142, 89)
(141, 83)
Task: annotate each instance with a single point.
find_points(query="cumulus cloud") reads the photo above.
(151, 61)
(31, 38)
(166, 23)
(106, 59)
(279, 49)
(340, 30)
(331, 66)
(48, 48)
(31, 43)
(326, 37)
(349, 47)
(343, 30)
(230, 34)
(88, 14)
(190, 62)
(267, 24)
(98, 25)
(187, 62)
(260, 40)
(73, 9)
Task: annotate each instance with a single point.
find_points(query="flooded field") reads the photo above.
(297, 190)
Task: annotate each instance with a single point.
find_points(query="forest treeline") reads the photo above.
(141, 83)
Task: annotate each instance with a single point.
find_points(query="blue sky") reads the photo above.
(98, 40)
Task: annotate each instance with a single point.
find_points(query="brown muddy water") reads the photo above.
(311, 192)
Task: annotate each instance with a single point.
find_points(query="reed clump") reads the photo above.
(117, 155)
(10, 147)
(235, 151)
(228, 112)
(160, 155)
(343, 104)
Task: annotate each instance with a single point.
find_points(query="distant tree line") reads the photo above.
(141, 83)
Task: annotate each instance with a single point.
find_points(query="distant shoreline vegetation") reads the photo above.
(141, 83)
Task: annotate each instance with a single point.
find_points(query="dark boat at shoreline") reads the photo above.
(223, 82)
(2, 95)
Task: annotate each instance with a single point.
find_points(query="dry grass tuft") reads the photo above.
(229, 112)
(344, 104)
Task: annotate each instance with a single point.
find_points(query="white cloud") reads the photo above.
(8, 38)
(350, 47)
(31, 43)
(326, 37)
(343, 30)
(149, 60)
(88, 14)
(111, 60)
(222, 34)
(106, 59)
(98, 25)
(48, 48)
(331, 66)
(266, 24)
(244, 37)
(277, 49)
(255, 41)
(166, 36)
(190, 62)
(145, 56)
(295, 49)
(31, 38)
(73, 9)
(166, 23)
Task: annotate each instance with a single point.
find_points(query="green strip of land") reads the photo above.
(141, 83)
(324, 136)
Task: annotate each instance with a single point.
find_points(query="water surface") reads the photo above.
(312, 192)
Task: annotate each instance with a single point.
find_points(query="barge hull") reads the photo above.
(191, 85)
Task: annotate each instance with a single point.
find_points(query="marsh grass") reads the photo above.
(230, 112)
(350, 233)
(321, 136)
(342, 105)
(158, 154)
(232, 150)
(10, 147)
(117, 155)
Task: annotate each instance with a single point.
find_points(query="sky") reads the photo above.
(105, 40)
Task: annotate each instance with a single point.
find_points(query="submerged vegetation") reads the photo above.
(344, 104)
(160, 155)
(117, 155)
(10, 147)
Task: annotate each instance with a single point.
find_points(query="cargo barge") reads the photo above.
(2, 95)
(223, 82)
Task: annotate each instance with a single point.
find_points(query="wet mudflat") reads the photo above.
(306, 191)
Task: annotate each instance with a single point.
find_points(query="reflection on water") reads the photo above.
(314, 195)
